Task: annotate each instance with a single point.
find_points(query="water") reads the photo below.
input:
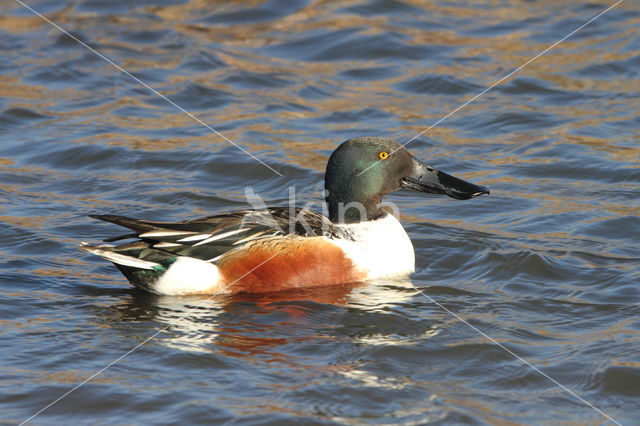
(548, 265)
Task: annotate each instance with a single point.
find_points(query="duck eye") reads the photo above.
(383, 155)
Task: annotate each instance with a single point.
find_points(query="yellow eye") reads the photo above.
(383, 155)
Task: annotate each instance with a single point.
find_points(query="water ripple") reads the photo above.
(548, 265)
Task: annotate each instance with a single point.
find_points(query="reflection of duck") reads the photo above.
(250, 324)
(282, 248)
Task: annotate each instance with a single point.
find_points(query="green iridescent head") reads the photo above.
(362, 170)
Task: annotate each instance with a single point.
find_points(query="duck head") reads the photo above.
(362, 170)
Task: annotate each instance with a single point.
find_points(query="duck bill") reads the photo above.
(425, 178)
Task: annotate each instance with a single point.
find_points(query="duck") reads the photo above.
(282, 248)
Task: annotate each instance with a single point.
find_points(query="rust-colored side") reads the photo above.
(298, 262)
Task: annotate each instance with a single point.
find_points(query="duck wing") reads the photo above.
(210, 237)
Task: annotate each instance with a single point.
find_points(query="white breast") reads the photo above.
(381, 247)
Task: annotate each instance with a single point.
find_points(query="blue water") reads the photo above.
(548, 265)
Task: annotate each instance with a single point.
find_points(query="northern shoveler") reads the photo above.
(281, 247)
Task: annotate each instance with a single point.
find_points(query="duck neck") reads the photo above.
(353, 209)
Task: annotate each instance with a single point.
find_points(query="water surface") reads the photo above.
(548, 265)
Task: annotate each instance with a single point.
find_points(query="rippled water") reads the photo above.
(548, 265)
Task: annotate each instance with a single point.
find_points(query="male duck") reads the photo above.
(281, 248)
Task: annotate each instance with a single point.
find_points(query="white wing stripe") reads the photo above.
(166, 245)
(220, 236)
(164, 233)
(195, 238)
